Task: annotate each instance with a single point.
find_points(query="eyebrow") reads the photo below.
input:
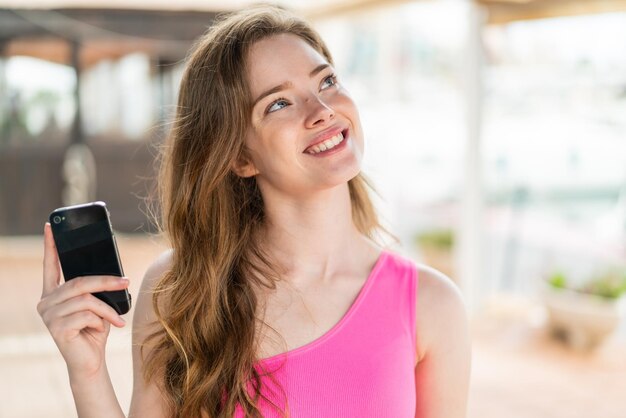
(287, 84)
(318, 69)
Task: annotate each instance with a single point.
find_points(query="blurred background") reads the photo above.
(495, 137)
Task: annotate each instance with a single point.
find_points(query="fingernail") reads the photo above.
(122, 320)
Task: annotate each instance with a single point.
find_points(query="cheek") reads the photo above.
(276, 144)
(345, 102)
(351, 112)
(255, 147)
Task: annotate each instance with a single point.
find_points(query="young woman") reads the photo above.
(274, 300)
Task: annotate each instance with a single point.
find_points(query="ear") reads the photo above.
(243, 166)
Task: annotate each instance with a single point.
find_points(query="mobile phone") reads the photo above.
(86, 246)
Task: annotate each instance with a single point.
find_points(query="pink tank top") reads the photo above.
(364, 365)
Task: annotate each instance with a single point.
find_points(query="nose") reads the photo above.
(319, 112)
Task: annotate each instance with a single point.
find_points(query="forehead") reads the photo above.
(280, 58)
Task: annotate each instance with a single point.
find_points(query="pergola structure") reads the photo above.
(82, 33)
(100, 33)
(109, 29)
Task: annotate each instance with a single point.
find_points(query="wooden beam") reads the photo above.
(332, 9)
(506, 11)
(92, 51)
(102, 34)
(499, 11)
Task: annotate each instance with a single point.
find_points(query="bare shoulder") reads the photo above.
(442, 373)
(440, 308)
(159, 266)
(143, 311)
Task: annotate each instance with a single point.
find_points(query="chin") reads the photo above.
(345, 177)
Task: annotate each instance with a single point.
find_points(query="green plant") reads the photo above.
(438, 238)
(610, 285)
(558, 280)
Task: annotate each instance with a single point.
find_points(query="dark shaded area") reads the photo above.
(31, 184)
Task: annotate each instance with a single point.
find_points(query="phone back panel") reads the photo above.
(88, 250)
(86, 247)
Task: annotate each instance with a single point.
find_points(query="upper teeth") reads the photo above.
(326, 145)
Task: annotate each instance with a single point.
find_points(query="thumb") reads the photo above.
(51, 268)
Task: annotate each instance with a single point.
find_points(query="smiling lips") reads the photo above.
(326, 145)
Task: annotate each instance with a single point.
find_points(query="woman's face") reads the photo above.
(305, 133)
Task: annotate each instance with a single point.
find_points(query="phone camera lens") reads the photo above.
(56, 219)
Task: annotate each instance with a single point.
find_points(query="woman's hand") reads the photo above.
(78, 321)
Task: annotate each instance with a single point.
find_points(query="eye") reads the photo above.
(329, 81)
(276, 105)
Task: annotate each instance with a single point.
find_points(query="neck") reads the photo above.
(314, 239)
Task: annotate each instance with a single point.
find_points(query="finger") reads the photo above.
(87, 302)
(70, 326)
(86, 284)
(51, 268)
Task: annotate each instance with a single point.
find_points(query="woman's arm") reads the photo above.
(79, 324)
(147, 400)
(95, 397)
(444, 350)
